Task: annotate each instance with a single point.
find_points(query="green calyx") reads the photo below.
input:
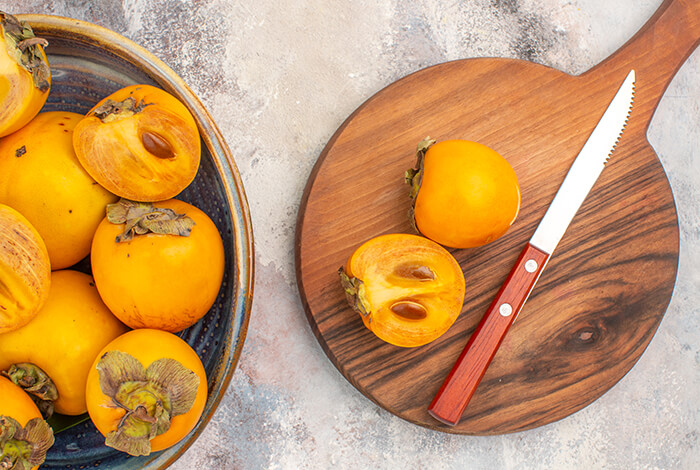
(23, 448)
(25, 48)
(140, 218)
(33, 380)
(150, 397)
(111, 110)
(355, 293)
(414, 176)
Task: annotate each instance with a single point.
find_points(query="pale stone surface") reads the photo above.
(279, 78)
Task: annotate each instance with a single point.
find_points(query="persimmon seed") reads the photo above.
(418, 272)
(157, 145)
(409, 310)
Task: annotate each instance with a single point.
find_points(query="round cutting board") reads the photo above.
(606, 287)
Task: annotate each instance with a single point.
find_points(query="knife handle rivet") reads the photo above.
(531, 265)
(505, 309)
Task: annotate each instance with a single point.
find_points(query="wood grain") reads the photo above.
(606, 288)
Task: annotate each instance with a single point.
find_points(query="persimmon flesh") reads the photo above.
(25, 270)
(407, 289)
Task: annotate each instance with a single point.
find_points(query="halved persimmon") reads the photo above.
(408, 290)
(140, 142)
(25, 75)
(25, 270)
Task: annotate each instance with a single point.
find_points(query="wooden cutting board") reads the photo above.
(607, 286)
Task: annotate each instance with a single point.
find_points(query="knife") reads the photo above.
(461, 383)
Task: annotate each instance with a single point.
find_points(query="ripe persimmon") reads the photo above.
(146, 391)
(40, 176)
(59, 345)
(157, 265)
(24, 434)
(465, 194)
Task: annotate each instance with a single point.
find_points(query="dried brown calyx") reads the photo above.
(150, 397)
(23, 448)
(414, 176)
(112, 110)
(33, 380)
(355, 293)
(140, 218)
(26, 49)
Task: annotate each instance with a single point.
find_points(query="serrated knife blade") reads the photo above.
(461, 383)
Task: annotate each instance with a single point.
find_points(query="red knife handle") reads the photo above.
(460, 384)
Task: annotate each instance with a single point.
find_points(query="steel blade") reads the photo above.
(586, 168)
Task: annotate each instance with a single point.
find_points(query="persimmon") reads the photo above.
(146, 391)
(25, 270)
(25, 75)
(51, 355)
(157, 265)
(24, 435)
(407, 289)
(40, 176)
(464, 193)
(140, 143)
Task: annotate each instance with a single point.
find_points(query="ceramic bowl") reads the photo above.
(89, 62)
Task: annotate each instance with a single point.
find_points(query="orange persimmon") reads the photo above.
(59, 345)
(23, 432)
(40, 176)
(140, 142)
(407, 289)
(157, 265)
(146, 391)
(25, 76)
(465, 194)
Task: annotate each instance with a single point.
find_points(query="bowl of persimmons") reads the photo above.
(125, 252)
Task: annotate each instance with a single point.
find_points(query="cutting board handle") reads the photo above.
(656, 53)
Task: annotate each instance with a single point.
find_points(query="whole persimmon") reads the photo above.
(25, 270)
(465, 193)
(157, 265)
(140, 143)
(40, 176)
(407, 289)
(57, 348)
(146, 391)
(24, 435)
(25, 75)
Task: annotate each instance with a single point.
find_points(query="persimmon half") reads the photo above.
(465, 194)
(407, 289)
(24, 435)
(157, 265)
(141, 143)
(25, 270)
(25, 75)
(146, 391)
